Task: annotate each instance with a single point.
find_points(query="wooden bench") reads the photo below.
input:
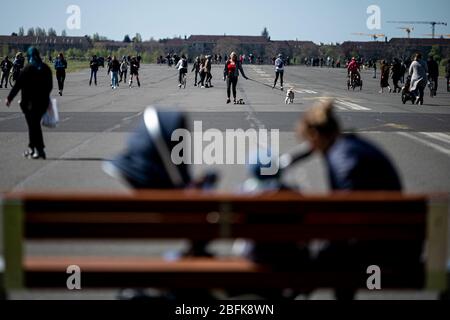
(269, 218)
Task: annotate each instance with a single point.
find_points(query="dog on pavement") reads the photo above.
(290, 95)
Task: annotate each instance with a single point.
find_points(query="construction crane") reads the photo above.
(432, 23)
(408, 30)
(373, 36)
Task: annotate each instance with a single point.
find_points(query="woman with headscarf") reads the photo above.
(231, 75)
(36, 83)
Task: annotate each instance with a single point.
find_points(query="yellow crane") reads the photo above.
(373, 36)
(408, 30)
(432, 23)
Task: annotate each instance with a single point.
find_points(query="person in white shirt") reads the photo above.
(182, 67)
(279, 71)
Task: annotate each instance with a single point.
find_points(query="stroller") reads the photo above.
(407, 95)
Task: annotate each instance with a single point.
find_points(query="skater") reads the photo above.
(279, 71)
(134, 71)
(231, 75)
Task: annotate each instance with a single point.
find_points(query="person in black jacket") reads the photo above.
(196, 68)
(114, 68)
(6, 67)
(60, 67)
(433, 71)
(231, 74)
(36, 83)
(94, 64)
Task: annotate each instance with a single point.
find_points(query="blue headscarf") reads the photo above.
(34, 58)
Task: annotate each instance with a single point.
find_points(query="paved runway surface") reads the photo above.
(96, 121)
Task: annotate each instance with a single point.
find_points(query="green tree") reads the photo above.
(127, 39)
(63, 33)
(31, 32)
(21, 32)
(436, 53)
(52, 32)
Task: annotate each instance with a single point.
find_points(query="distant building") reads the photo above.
(45, 43)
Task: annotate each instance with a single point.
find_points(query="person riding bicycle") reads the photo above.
(5, 67)
(182, 67)
(353, 69)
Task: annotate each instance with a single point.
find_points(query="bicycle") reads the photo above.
(14, 74)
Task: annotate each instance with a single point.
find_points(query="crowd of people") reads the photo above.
(35, 78)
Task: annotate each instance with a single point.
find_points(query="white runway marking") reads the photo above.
(352, 106)
(427, 142)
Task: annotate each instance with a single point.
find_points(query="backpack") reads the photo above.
(184, 64)
(279, 63)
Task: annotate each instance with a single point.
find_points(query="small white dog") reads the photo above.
(290, 95)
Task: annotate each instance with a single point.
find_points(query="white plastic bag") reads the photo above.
(51, 117)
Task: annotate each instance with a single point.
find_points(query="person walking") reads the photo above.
(6, 67)
(418, 72)
(231, 75)
(396, 74)
(60, 67)
(447, 74)
(208, 66)
(36, 83)
(385, 72)
(93, 64)
(375, 68)
(182, 67)
(123, 70)
(279, 71)
(433, 72)
(202, 72)
(196, 68)
(114, 68)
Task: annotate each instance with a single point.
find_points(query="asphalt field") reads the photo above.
(96, 122)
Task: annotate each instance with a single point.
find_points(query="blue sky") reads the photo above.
(319, 21)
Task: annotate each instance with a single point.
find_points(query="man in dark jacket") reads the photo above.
(433, 71)
(35, 81)
(93, 64)
(447, 74)
(6, 67)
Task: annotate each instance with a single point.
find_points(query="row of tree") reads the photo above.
(38, 32)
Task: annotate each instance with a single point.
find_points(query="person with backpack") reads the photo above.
(60, 67)
(182, 67)
(279, 71)
(231, 75)
(93, 64)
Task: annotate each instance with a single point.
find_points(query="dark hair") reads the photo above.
(418, 56)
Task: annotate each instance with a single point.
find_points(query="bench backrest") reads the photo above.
(271, 217)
